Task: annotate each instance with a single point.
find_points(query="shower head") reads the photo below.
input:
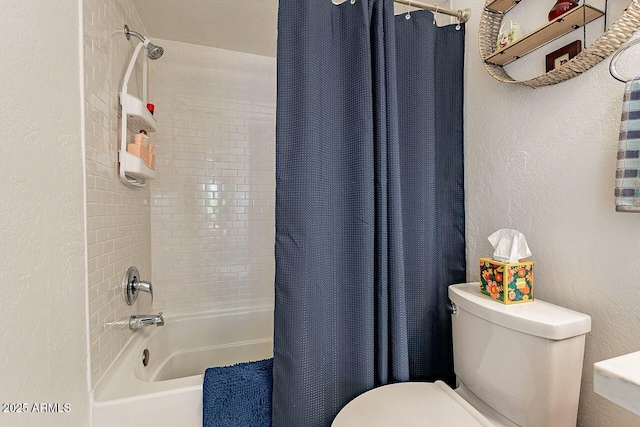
(153, 51)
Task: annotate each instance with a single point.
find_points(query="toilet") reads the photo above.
(516, 366)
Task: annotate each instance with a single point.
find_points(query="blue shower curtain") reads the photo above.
(369, 202)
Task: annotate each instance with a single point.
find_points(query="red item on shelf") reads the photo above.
(561, 7)
(151, 108)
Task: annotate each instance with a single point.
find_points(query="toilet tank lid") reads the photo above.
(537, 318)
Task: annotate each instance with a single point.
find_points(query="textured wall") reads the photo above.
(43, 343)
(212, 211)
(543, 161)
(118, 227)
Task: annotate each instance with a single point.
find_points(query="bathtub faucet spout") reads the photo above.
(138, 321)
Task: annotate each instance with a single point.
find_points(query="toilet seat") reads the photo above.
(410, 404)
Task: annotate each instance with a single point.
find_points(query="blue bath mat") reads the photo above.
(238, 395)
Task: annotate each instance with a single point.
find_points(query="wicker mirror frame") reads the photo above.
(619, 32)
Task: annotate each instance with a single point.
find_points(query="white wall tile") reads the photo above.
(212, 205)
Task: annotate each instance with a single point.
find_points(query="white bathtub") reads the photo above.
(168, 391)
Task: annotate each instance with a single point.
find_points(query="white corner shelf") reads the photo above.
(135, 168)
(138, 117)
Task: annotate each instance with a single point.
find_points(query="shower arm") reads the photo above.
(128, 33)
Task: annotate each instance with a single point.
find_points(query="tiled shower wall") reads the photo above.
(119, 233)
(212, 212)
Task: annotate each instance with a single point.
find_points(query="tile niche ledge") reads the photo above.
(618, 380)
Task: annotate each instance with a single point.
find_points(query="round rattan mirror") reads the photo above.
(619, 32)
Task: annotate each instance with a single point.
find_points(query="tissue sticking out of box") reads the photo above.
(510, 245)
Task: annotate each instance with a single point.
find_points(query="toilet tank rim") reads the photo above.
(537, 318)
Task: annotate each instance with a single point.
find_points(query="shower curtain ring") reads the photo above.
(408, 15)
(434, 14)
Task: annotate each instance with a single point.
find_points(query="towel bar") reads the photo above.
(616, 56)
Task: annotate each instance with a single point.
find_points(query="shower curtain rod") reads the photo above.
(463, 15)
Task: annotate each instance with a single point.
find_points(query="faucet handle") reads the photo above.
(144, 287)
(132, 284)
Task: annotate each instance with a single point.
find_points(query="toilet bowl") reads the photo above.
(516, 366)
(411, 404)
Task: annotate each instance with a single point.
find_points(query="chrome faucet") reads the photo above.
(138, 321)
(132, 286)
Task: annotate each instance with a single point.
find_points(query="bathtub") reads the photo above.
(167, 392)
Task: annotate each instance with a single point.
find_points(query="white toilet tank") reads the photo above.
(522, 360)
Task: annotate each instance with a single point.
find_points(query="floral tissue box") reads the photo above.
(506, 283)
